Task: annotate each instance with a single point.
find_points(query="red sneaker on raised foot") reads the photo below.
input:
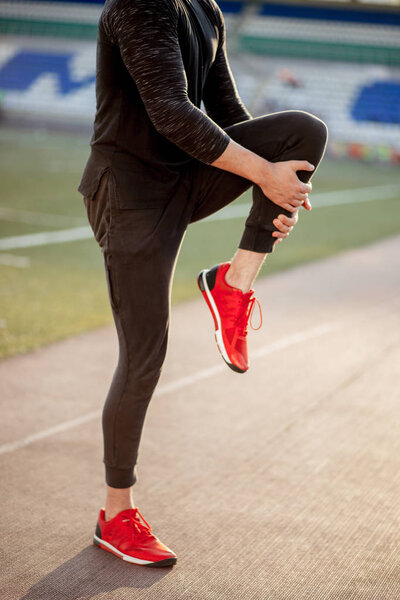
(129, 537)
(231, 311)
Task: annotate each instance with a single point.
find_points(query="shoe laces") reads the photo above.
(135, 520)
(245, 315)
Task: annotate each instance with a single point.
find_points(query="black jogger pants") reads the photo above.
(140, 248)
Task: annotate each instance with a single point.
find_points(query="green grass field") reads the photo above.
(63, 292)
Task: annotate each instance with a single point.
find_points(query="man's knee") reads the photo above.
(309, 125)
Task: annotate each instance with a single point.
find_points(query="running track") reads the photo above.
(280, 484)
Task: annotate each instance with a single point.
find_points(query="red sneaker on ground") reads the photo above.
(129, 537)
(231, 310)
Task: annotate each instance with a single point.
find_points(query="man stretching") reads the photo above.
(158, 163)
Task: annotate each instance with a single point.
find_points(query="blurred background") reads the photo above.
(338, 60)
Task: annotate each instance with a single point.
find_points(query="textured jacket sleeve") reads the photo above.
(220, 96)
(146, 32)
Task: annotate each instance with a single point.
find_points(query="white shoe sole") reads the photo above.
(131, 559)
(203, 285)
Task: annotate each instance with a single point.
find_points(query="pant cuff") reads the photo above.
(256, 240)
(120, 478)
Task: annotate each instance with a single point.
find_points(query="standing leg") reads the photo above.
(140, 248)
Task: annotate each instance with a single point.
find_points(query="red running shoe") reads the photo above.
(231, 311)
(129, 537)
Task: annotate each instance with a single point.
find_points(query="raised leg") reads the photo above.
(286, 135)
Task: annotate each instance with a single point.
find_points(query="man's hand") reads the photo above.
(280, 184)
(278, 181)
(284, 226)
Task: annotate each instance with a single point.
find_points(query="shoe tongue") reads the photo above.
(247, 297)
(128, 512)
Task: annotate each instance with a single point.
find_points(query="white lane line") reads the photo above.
(12, 260)
(368, 194)
(15, 215)
(173, 386)
(322, 200)
(40, 435)
(352, 196)
(45, 238)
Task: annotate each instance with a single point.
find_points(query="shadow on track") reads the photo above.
(92, 572)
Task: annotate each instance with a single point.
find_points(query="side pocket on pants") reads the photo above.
(111, 282)
(99, 211)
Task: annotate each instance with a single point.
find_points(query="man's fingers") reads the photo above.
(289, 221)
(292, 205)
(284, 225)
(281, 227)
(283, 221)
(302, 165)
(295, 203)
(305, 188)
(281, 234)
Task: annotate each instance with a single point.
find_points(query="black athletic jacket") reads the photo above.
(156, 61)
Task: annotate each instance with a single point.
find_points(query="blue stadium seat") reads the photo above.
(379, 102)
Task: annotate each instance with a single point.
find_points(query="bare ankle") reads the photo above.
(235, 280)
(111, 513)
(118, 500)
(244, 269)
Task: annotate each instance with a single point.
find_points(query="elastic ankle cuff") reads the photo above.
(120, 478)
(257, 240)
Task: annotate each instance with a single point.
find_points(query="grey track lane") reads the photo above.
(280, 484)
